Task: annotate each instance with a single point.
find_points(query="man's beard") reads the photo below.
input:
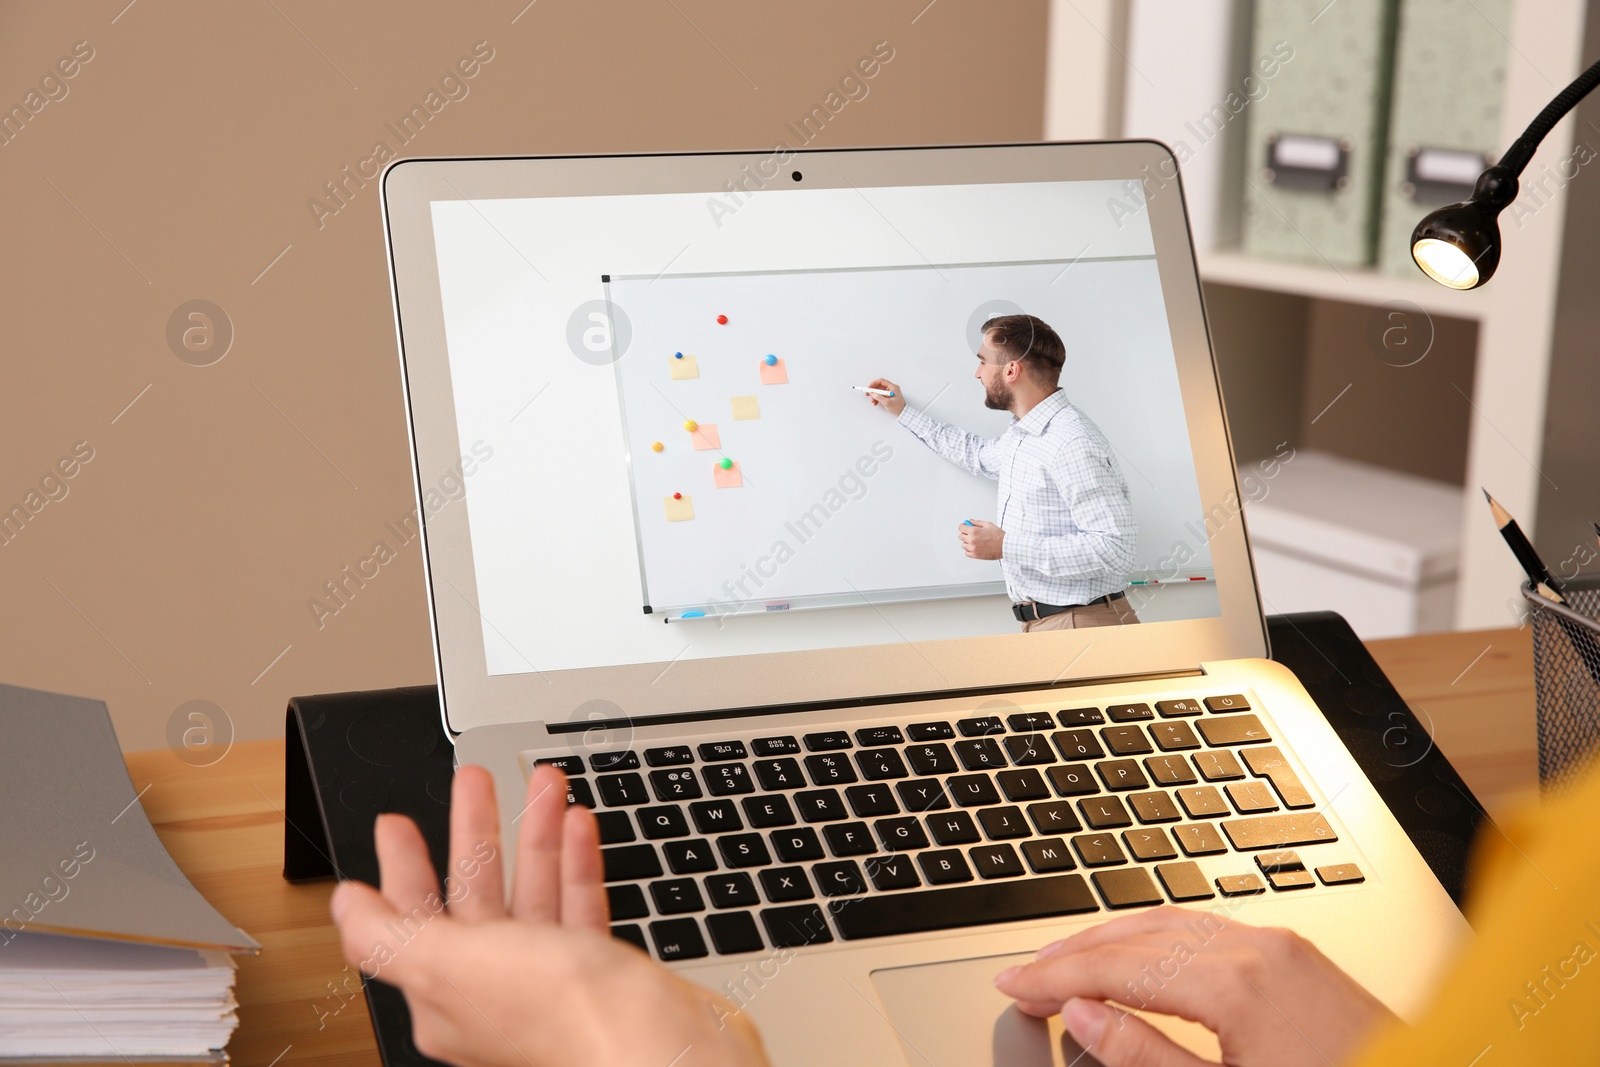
(997, 397)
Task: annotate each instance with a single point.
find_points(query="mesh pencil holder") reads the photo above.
(1566, 675)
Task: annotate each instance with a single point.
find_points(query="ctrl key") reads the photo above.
(677, 939)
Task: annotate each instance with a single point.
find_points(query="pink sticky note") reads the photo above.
(705, 436)
(727, 479)
(776, 374)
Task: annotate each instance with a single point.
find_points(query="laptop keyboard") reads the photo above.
(736, 846)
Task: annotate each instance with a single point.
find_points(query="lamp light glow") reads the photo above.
(1445, 263)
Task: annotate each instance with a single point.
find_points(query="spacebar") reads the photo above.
(966, 905)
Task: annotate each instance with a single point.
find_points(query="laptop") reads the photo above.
(672, 545)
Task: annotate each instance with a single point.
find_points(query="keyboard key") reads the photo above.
(732, 890)
(1183, 881)
(665, 821)
(744, 850)
(1129, 712)
(1279, 860)
(619, 790)
(1054, 817)
(996, 861)
(869, 736)
(1020, 785)
(1291, 880)
(615, 827)
(1202, 801)
(1340, 874)
(893, 872)
(727, 779)
(1122, 774)
(953, 828)
(1232, 702)
(775, 774)
(1048, 856)
(1073, 780)
(1234, 730)
(677, 784)
(570, 764)
(1154, 806)
(689, 857)
(944, 866)
(871, 801)
(1104, 813)
(930, 731)
(827, 741)
(1126, 740)
(982, 754)
(931, 759)
(922, 794)
(768, 810)
(674, 756)
(1031, 721)
(1268, 762)
(715, 751)
(840, 879)
(1098, 850)
(1028, 750)
(972, 790)
(625, 760)
(1278, 831)
(1077, 744)
(715, 816)
(820, 805)
(880, 764)
(1149, 844)
(733, 933)
(964, 905)
(796, 845)
(625, 863)
(1170, 708)
(850, 839)
(798, 924)
(1070, 717)
(783, 884)
(1240, 885)
(901, 835)
(775, 746)
(1250, 798)
(830, 769)
(676, 896)
(1174, 736)
(578, 792)
(1217, 766)
(1199, 839)
(631, 933)
(1169, 770)
(1003, 823)
(627, 902)
(980, 726)
(678, 939)
(1130, 888)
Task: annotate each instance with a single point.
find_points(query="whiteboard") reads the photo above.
(838, 503)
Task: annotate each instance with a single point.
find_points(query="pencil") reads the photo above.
(1542, 580)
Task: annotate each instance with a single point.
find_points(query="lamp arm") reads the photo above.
(1521, 150)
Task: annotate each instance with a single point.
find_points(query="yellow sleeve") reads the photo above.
(1526, 988)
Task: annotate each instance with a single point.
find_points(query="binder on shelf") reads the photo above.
(1450, 59)
(1315, 154)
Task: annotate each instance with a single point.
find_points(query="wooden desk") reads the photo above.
(299, 1004)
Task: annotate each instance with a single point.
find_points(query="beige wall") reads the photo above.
(178, 166)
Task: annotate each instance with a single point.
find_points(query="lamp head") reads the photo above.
(1459, 246)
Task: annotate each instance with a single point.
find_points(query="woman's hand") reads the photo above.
(535, 981)
(1266, 992)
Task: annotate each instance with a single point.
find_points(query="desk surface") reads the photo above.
(299, 1004)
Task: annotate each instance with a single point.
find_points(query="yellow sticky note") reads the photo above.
(727, 479)
(777, 374)
(680, 509)
(745, 407)
(685, 368)
(705, 436)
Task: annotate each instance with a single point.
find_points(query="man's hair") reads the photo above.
(1029, 338)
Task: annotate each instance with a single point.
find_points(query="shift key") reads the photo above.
(1268, 763)
(1278, 831)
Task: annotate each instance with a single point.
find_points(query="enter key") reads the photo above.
(1268, 762)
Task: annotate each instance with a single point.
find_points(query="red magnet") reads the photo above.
(722, 320)
(677, 496)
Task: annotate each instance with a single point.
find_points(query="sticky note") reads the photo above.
(745, 407)
(705, 436)
(728, 478)
(683, 369)
(774, 373)
(679, 510)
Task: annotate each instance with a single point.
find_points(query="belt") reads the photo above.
(1040, 611)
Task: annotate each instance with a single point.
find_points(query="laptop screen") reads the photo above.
(700, 427)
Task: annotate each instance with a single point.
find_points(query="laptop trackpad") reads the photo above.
(951, 1015)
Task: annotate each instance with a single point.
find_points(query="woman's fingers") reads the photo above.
(475, 885)
(1165, 918)
(405, 869)
(583, 890)
(1145, 972)
(1119, 1039)
(536, 887)
(363, 915)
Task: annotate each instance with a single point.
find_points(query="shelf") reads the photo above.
(1351, 285)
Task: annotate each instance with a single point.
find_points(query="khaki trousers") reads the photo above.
(1117, 613)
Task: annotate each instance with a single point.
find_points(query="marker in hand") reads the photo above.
(966, 522)
(869, 389)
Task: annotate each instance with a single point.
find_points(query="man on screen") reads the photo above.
(1065, 536)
